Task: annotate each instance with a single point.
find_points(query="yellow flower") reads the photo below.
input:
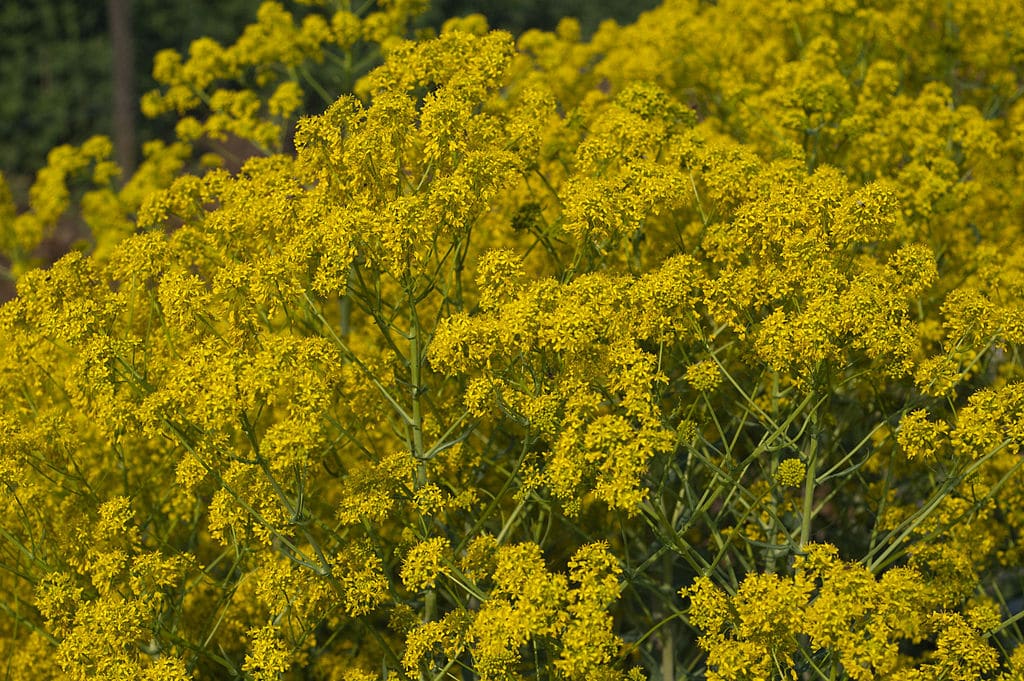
(704, 376)
(267, 657)
(424, 563)
(918, 437)
(790, 473)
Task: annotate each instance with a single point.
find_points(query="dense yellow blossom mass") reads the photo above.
(690, 350)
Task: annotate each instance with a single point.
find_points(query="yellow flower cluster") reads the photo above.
(791, 472)
(465, 370)
(838, 614)
(529, 605)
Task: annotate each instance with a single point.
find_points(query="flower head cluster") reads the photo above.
(464, 369)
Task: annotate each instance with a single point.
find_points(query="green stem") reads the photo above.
(415, 424)
(809, 482)
(668, 638)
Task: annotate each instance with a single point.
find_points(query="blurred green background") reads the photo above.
(56, 57)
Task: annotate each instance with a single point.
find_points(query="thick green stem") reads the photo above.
(668, 650)
(416, 387)
(812, 472)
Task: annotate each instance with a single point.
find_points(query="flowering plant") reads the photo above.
(686, 351)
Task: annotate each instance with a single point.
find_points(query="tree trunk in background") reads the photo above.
(119, 19)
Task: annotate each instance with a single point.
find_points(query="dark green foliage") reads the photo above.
(55, 84)
(55, 66)
(54, 74)
(519, 15)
